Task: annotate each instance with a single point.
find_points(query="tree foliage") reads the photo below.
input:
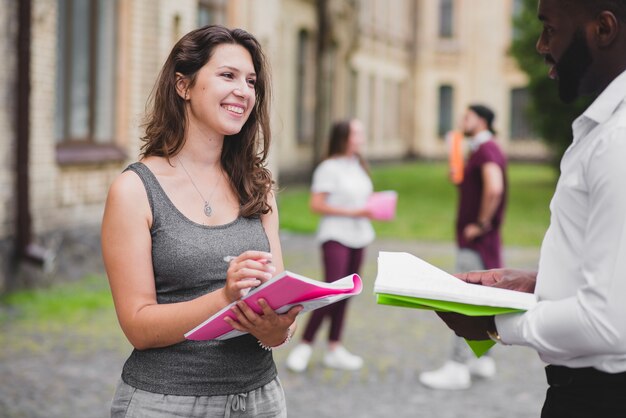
(551, 119)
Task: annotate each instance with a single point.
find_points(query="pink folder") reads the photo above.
(281, 292)
(382, 205)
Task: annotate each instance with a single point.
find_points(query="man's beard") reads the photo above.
(573, 66)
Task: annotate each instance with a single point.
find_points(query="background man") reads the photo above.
(482, 199)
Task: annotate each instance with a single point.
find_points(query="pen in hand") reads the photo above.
(229, 258)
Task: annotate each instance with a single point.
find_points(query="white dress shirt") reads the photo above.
(348, 186)
(580, 320)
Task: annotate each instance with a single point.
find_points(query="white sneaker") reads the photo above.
(299, 357)
(483, 367)
(340, 358)
(451, 376)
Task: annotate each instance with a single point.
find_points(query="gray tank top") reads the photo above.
(188, 261)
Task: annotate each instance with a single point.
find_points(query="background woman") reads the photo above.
(340, 189)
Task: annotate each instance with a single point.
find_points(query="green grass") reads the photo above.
(67, 303)
(78, 317)
(427, 203)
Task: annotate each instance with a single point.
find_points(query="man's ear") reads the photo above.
(607, 29)
(182, 86)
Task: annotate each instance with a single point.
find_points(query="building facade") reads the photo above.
(462, 57)
(77, 74)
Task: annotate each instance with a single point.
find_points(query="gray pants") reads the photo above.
(466, 260)
(267, 402)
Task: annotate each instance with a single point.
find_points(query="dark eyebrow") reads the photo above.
(233, 69)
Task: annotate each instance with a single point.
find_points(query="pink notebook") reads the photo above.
(281, 292)
(383, 205)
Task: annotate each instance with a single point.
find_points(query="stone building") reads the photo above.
(77, 73)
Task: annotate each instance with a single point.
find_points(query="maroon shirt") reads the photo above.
(488, 245)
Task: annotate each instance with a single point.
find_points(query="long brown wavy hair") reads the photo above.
(244, 155)
(338, 142)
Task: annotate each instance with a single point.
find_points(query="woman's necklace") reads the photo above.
(208, 210)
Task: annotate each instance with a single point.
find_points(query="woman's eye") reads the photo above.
(251, 82)
(227, 75)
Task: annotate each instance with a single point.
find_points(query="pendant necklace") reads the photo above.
(208, 210)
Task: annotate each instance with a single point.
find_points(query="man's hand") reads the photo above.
(512, 279)
(470, 327)
(476, 327)
(472, 232)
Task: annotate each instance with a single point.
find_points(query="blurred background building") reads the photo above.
(77, 73)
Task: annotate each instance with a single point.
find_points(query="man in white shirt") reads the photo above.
(579, 325)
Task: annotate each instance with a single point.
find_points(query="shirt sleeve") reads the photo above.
(324, 179)
(488, 153)
(593, 321)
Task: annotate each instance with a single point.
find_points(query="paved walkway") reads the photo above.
(71, 372)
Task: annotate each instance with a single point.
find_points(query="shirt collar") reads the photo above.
(479, 139)
(605, 104)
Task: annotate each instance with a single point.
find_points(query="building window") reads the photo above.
(353, 93)
(521, 127)
(366, 16)
(331, 92)
(305, 93)
(518, 8)
(446, 18)
(86, 82)
(446, 101)
(372, 116)
(392, 109)
(211, 12)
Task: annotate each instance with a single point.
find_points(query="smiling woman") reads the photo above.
(200, 192)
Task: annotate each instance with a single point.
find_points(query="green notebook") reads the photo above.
(478, 347)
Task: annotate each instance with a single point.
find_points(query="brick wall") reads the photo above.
(66, 197)
(67, 201)
(42, 164)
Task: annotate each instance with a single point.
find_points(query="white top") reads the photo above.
(580, 320)
(348, 187)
